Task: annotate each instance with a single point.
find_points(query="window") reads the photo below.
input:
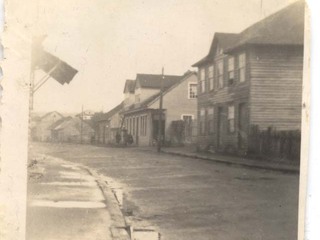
(192, 91)
(231, 119)
(231, 70)
(220, 74)
(211, 77)
(242, 67)
(210, 119)
(187, 118)
(202, 121)
(202, 80)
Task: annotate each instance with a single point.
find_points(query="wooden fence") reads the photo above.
(182, 132)
(275, 144)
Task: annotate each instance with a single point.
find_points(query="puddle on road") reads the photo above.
(70, 166)
(144, 234)
(83, 184)
(67, 204)
(76, 175)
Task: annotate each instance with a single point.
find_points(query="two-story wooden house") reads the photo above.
(253, 78)
(141, 118)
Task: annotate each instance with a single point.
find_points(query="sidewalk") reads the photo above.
(65, 202)
(231, 160)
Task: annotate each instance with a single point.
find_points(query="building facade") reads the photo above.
(109, 125)
(40, 127)
(252, 79)
(142, 118)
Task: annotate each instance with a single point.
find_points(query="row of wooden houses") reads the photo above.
(251, 79)
(138, 114)
(54, 127)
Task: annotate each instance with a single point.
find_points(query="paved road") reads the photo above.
(194, 199)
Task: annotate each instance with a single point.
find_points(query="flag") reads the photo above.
(50, 64)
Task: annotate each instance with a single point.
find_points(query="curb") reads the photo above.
(118, 226)
(242, 164)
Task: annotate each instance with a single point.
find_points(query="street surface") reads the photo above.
(185, 198)
(64, 202)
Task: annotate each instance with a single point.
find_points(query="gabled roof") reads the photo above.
(112, 112)
(147, 102)
(75, 122)
(48, 114)
(224, 40)
(285, 27)
(59, 122)
(154, 80)
(129, 86)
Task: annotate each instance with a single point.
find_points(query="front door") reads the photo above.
(243, 126)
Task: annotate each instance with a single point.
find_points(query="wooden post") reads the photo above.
(160, 114)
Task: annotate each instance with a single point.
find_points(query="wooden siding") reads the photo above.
(234, 94)
(276, 87)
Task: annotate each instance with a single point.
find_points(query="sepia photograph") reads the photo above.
(153, 120)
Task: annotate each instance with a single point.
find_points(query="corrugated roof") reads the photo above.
(154, 80)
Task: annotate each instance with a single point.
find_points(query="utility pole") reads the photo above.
(81, 124)
(160, 113)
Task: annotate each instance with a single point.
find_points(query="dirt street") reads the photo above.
(189, 199)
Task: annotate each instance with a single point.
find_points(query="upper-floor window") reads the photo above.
(220, 74)
(231, 119)
(202, 80)
(242, 67)
(211, 77)
(231, 70)
(192, 91)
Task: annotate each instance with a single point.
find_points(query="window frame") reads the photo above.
(242, 58)
(210, 120)
(202, 79)
(231, 70)
(202, 121)
(189, 90)
(211, 78)
(220, 75)
(231, 119)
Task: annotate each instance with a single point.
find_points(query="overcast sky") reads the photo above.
(110, 41)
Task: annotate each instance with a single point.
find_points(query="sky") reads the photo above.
(111, 41)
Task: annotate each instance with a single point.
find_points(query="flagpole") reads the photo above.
(160, 113)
